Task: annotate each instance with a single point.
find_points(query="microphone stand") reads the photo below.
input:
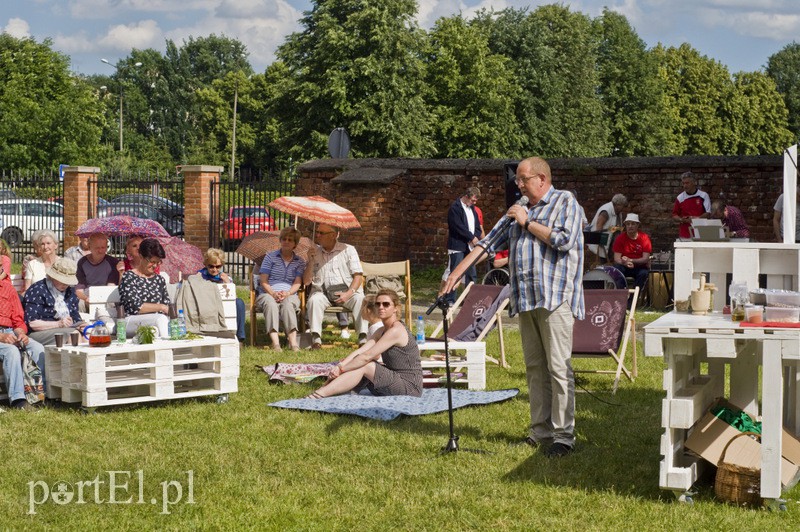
(443, 304)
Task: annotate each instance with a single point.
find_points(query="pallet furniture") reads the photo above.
(132, 373)
(700, 351)
(474, 362)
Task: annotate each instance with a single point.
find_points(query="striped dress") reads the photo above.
(400, 373)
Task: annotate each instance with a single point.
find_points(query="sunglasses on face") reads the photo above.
(385, 304)
(214, 266)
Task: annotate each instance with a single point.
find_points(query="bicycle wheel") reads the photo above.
(497, 277)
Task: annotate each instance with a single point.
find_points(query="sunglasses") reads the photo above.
(213, 266)
(385, 304)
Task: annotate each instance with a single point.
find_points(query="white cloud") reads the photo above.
(124, 37)
(18, 28)
(775, 26)
(74, 44)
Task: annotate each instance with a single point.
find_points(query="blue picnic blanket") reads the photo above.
(387, 408)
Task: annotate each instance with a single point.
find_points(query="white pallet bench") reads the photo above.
(131, 373)
(474, 362)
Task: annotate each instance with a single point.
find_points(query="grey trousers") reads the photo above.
(547, 349)
(279, 314)
(318, 302)
(48, 336)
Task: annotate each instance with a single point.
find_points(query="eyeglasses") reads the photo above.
(154, 262)
(323, 233)
(385, 304)
(213, 266)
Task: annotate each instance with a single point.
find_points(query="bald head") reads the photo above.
(537, 165)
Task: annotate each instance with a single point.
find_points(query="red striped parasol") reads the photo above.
(255, 245)
(317, 209)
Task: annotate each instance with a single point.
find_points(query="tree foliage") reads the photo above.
(784, 68)
(47, 115)
(471, 93)
(356, 64)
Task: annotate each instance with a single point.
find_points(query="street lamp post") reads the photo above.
(121, 91)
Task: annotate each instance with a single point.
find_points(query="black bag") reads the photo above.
(331, 291)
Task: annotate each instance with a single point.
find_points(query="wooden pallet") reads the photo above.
(472, 360)
(130, 373)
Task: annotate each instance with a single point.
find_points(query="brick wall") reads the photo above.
(402, 203)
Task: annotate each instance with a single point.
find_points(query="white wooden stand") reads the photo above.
(475, 363)
(132, 373)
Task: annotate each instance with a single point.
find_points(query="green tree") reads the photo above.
(631, 91)
(47, 115)
(696, 89)
(554, 53)
(356, 64)
(471, 93)
(757, 116)
(784, 68)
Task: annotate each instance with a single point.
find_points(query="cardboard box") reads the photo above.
(710, 435)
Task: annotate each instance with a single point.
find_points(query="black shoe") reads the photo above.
(529, 442)
(558, 450)
(22, 404)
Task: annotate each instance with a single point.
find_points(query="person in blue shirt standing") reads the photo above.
(545, 244)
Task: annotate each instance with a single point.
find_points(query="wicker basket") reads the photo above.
(736, 484)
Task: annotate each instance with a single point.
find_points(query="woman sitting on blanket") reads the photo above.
(399, 374)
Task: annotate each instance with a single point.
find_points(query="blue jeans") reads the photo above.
(12, 366)
(470, 276)
(639, 273)
(240, 315)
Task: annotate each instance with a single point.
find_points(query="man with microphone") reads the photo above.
(545, 241)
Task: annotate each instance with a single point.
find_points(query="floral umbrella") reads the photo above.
(255, 245)
(122, 225)
(182, 257)
(317, 209)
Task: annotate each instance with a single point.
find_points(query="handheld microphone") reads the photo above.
(507, 221)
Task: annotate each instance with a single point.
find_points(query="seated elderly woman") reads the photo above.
(143, 292)
(46, 245)
(214, 260)
(399, 373)
(280, 280)
(51, 306)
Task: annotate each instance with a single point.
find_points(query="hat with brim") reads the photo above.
(63, 271)
(632, 218)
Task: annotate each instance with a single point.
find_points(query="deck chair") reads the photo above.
(471, 324)
(605, 330)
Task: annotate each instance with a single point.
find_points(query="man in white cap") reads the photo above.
(13, 337)
(632, 251)
(51, 306)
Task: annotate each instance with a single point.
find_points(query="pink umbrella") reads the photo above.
(317, 209)
(122, 225)
(182, 257)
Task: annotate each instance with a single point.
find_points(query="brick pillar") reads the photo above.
(197, 180)
(80, 200)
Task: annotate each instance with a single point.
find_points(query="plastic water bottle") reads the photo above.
(181, 324)
(420, 330)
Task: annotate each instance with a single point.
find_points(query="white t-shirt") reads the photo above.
(779, 208)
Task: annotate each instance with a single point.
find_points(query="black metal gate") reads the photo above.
(30, 202)
(243, 210)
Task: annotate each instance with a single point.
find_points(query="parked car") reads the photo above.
(168, 208)
(22, 217)
(242, 221)
(173, 226)
(6, 193)
(60, 200)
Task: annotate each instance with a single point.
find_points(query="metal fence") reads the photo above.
(243, 210)
(29, 202)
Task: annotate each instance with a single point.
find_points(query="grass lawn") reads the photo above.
(257, 467)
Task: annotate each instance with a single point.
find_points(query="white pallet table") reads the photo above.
(131, 373)
(687, 342)
(474, 363)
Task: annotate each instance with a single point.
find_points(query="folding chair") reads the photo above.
(390, 269)
(605, 330)
(472, 324)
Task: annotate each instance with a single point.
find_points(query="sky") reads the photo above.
(741, 34)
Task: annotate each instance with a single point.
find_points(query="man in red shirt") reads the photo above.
(691, 203)
(632, 251)
(13, 334)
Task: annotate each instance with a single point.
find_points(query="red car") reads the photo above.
(242, 221)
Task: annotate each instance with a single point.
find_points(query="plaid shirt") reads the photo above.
(545, 275)
(735, 223)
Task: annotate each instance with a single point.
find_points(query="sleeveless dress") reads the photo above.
(400, 373)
